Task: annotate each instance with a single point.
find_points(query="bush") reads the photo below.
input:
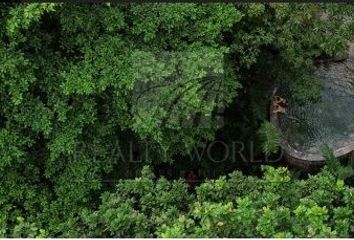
(276, 205)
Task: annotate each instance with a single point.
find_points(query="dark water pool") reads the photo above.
(328, 120)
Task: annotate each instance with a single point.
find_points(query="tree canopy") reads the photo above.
(80, 83)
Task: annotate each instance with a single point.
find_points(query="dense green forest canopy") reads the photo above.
(80, 83)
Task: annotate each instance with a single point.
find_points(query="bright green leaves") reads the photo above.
(21, 17)
(138, 207)
(271, 222)
(215, 219)
(342, 223)
(170, 24)
(172, 88)
(107, 64)
(312, 220)
(296, 213)
(277, 176)
(164, 208)
(182, 78)
(80, 80)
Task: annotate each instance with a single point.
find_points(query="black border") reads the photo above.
(178, 1)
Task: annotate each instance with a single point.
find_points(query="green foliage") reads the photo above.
(22, 16)
(276, 205)
(305, 33)
(138, 207)
(270, 137)
(80, 83)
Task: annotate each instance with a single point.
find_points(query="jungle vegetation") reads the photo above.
(99, 102)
